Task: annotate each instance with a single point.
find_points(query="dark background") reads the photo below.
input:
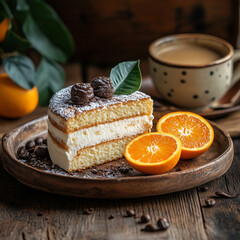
(109, 31)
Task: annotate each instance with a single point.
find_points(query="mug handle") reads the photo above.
(236, 71)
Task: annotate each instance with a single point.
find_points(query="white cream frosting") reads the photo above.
(101, 133)
(62, 105)
(58, 155)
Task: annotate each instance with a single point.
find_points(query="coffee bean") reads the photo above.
(145, 218)
(30, 145)
(130, 213)
(210, 202)
(94, 171)
(45, 141)
(225, 195)
(88, 211)
(163, 224)
(39, 140)
(150, 228)
(123, 169)
(22, 153)
(41, 151)
(111, 217)
(203, 189)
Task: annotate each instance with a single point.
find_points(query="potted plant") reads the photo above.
(27, 25)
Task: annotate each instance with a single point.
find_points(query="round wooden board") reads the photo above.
(187, 174)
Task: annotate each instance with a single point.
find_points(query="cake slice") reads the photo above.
(80, 137)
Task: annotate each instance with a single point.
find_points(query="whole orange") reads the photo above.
(4, 25)
(16, 101)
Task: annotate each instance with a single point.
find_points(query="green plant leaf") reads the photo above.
(2, 15)
(51, 29)
(50, 78)
(14, 42)
(22, 5)
(41, 42)
(6, 8)
(126, 77)
(21, 70)
(44, 97)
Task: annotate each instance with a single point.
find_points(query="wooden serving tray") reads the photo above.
(124, 184)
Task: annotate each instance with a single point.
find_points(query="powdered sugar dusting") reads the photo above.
(62, 105)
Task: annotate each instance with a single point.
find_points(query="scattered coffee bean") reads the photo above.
(111, 217)
(202, 189)
(45, 141)
(88, 211)
(123, 169)
(41, 151)
(210, 202)
(163, 224)
(30, 145)
(94, 171)
(39, 214)
(225, 195)
(39, 140)
(22, 153)
(145, 218)
(130, 213)
(150, 228)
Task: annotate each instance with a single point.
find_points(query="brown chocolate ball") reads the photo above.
(102, 87)
(81, 93)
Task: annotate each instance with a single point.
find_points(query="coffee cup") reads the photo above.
(193, 71)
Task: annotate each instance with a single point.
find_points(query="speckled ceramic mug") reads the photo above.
(193, 70)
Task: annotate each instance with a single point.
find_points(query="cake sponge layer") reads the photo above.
(71, 118)
(87, 157)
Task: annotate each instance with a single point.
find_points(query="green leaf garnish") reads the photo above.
(21, 70)
(50, 78)
(126, 77)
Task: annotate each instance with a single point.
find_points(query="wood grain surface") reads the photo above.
(29, 214)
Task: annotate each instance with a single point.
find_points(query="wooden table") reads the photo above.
(26, 213)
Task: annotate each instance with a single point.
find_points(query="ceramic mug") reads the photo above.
(193, 70)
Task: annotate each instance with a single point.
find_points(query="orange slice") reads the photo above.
(194, 132)
(153, 153)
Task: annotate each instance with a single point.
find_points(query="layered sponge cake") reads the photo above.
(81, 136)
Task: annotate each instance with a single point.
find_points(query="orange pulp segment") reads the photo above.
(194, 132)
(153, 153)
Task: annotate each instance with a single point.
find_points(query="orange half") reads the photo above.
(153, 153)
(195, 133)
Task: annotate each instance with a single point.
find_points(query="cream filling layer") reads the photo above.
(101, 133)
(87, 157)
